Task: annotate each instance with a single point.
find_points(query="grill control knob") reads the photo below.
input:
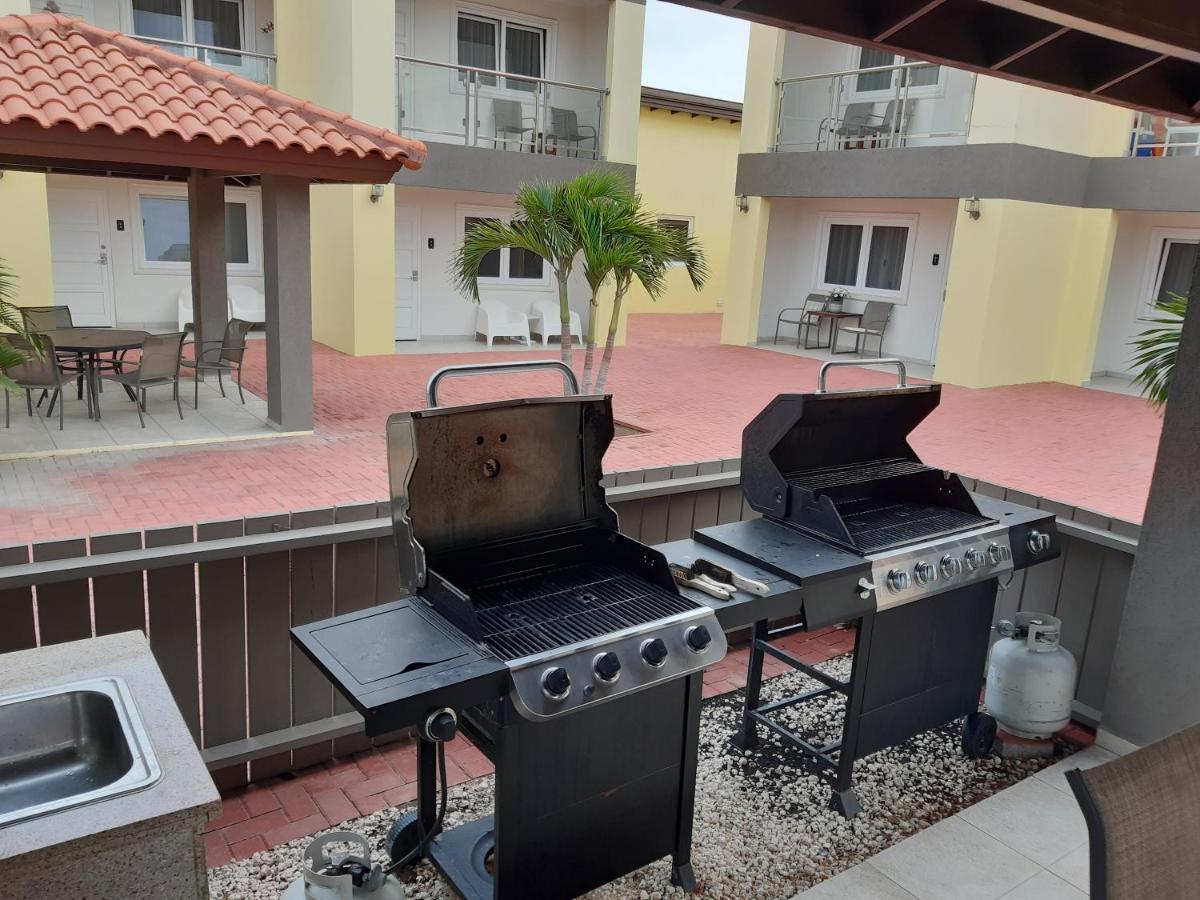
(697, 638)
(607, 667)
(897, 581)
(1038, 541)
(974, 558)
(654, 652)
(556, 683)
(950, 566)
(996, 554)
(925, 572)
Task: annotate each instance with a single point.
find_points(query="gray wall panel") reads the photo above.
(496, 171)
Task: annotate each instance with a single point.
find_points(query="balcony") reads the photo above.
(1162, 136)
(473, 107)
(259, 67)
(908, 105)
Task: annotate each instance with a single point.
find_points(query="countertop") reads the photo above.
(185, 784)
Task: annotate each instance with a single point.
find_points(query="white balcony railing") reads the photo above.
(249, 64)
(907, 105)
(1162, 136)
(448, 103)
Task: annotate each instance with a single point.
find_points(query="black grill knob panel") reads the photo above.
(654, 652)
(556, 683)
(697, 638)
(607, 667)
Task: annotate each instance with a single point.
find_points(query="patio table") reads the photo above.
(835, 318)
(87, 344)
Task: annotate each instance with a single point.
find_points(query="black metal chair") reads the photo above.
(804, 318)
(159, 364)
(873, 323)
(40, 371)
(224, 355)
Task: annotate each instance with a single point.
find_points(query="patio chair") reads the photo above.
(47, 318)
(860, 122)
(565, 129)
(803, 318)
(495, 318)
(544, 319)
(874, 323)
(508, 117)
(159, 364)
(220, 356)
(39, 372)
(1143, 819)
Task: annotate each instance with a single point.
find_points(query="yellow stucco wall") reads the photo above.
(686, 166)
(1024, 294)
(25, 236)
(341, 56)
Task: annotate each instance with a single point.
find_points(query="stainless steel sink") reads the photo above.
(69, 745)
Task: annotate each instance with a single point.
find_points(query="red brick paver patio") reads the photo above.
(266, 815)
(693, 396)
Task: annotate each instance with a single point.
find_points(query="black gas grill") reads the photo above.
(561, 646)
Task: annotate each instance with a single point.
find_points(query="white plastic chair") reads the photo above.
(494, 319)
(546, 322)
(245, 303)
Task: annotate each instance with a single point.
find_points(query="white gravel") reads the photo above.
(763, 829)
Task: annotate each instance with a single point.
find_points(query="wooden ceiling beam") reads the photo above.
(1028, 48)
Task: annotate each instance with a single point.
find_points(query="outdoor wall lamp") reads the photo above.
(973, 207)
(743, 202)
(376, 192)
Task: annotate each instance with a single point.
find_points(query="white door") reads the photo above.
(408, 273)
(79, 254)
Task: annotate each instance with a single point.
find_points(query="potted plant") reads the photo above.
(837, 299)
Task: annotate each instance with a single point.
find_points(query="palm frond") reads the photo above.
(11, 320)
(1156, 350)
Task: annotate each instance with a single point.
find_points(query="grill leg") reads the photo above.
(844, 799)
(427, 783)
(747, 736)
(681, 860)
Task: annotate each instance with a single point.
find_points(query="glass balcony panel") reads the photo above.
(1162, 136)
(259, 67)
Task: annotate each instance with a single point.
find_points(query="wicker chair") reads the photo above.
(39, 372)
(159, 364)
(874, 323)
(803, 319)
(224, 355)
(1143, 818)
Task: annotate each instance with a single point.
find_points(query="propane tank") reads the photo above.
(1030, 677)
(342, 875)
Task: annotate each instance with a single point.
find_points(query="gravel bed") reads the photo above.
(763, 830)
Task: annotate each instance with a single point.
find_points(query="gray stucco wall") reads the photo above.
(496, 171)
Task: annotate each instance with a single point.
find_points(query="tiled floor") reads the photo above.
(674, 379)
(266, 815)
(1028, 842)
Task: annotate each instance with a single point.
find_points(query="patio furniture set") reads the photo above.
(495, 318)
(818, 309)
(564, 130)
(62, 352)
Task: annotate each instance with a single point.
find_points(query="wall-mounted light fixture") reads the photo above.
(973, 207)
(743, 203)
(376, 192)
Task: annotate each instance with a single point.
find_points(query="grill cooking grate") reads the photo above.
(530, 614)
(875, 527)
(855, 473)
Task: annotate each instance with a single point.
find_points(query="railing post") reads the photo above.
(538, 139)
(835, 93)
(780, 88)
(599, 124)
(468, 88)
(899, 110)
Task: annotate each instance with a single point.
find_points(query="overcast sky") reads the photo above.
(694, 52)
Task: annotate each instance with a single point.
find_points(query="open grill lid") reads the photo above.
(467, 476)
(838, 464)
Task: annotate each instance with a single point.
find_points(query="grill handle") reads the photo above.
(570, 382)
(898, 363)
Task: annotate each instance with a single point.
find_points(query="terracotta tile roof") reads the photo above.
(57, 70)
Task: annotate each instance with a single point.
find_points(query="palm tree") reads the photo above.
(10, 318)
(1157, 348)
(543, 225)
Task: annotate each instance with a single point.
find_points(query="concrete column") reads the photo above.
(206, 224)
(289, 302)
(748, 235)
(1152, 688)
(623, 77)
(342, 55)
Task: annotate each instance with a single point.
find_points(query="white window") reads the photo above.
(683, 224)
(508, 266)
(162, 232)
(868, 254)
(504, 42)
(922, 81)
(1170, 261)
(217, 23)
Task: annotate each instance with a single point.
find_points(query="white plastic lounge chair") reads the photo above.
(544, 320)
(494, 319)
(245, 303)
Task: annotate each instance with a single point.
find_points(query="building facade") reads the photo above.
(1014, 234)
(503, 92)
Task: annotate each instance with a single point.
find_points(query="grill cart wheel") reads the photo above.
(978, 735)
(403, 837)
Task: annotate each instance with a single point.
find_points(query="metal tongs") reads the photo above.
(716, 581)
